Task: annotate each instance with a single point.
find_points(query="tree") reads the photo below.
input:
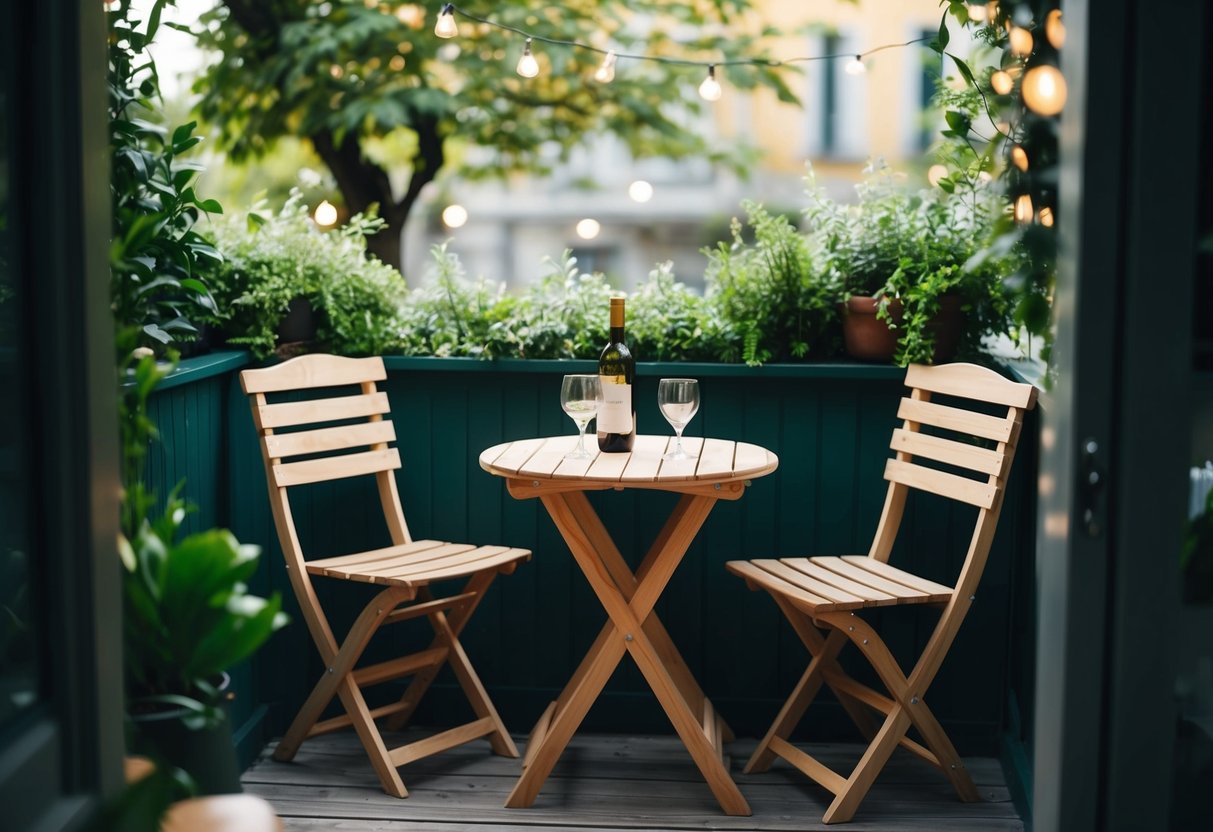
(347, 74)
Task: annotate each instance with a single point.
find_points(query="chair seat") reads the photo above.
(828, 584)
(418, 563)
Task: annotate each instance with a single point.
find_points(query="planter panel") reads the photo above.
(830, 426)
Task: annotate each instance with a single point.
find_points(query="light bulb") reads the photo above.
(411, 15)
(606, 72)
(454, 216)
(446, 27)
(588, 229)
(325, 214)
(1044, 90)
(710, 88)
(1019, 157)
(1002, 82)
(978, 13)
(856, 67)
(935, 173)
(1055, 30)
(1023, 208)
(528, 67)
(1021, 41)
(1046, 217)
(640, 191)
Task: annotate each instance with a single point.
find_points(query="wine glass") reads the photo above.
(580, 396)
(678, 399)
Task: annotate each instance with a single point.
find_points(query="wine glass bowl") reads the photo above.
(580, 398)
(678, 400)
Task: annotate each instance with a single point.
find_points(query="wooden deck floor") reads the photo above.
(605, 783)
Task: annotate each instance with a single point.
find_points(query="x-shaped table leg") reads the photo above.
(632, 628)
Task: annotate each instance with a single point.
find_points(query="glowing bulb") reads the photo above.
(1002, 82)
(1021, 41)
(446, 27)
(528, 67)
(454, 216)
(606, 72)
(411, 15)
(640, 191)
(978, 13)
(856, 67)
(935, 173)
(1046, 217)
(1023, 208)
(588, 229)
(325, 214)
(1055, 30)
(710, 90)
(1019, 157)
(1044, 90)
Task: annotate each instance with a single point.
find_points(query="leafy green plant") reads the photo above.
(772, 303)
(188, 614)
(667, 321)
(271, 258)
(156, 253)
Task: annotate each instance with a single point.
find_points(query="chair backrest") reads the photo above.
(954, 451)
(341, 434)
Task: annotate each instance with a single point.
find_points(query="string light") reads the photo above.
(1023, 209)
(710, 90)
(606, 72)
(528, 67)
(1019, 157)
(1044, 90)
(1046, 217)
(640, 191)
(1002, 82)
(446, 27)
(978, 12)
(588, 228)
(1021, 41)
(936, 173)
(454, 215)
(325, 214)
(1055, 30)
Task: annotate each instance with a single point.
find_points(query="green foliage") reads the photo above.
(917, 247)
(346, 74)
(188, 616)
(670, 322)
(272, 258)
(769, 298)
(155, 253)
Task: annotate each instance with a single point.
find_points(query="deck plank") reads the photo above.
(606, 783)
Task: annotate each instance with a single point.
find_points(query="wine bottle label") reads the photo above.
(615, 415)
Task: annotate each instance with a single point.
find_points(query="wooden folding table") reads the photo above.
(721, 471)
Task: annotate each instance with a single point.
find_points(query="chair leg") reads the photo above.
(338, 664)
(842, 809)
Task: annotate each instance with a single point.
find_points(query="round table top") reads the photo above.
(715, 461)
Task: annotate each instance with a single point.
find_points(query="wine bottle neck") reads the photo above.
(617, 334)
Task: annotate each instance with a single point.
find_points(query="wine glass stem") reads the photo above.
(678, 447)
(581, 437)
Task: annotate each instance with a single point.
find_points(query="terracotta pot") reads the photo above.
(868, 338)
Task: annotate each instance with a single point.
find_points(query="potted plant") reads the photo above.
(187, 614)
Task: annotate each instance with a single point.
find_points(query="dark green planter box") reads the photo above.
(830, 425)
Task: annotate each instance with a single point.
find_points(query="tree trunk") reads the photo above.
(364, 184)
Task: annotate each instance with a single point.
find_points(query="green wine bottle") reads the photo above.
(616, 371)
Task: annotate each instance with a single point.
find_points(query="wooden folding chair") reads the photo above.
(403, 572)
(824, 593)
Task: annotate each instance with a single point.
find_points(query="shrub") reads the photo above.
(270, 259)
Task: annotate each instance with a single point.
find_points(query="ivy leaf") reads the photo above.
(964, 70)
(958, 122)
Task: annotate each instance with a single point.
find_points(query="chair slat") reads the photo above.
(335, 467)
(746, 569)
(970, 381)
(892, 573)
(825, 576)
(958, 419)
(288, 414)
(484, 563)
(452, 554)
(973, 492)
(311, 371)
(834, 597)
(982, 460)
(848, 567)
(373, 555)
(282, 445)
